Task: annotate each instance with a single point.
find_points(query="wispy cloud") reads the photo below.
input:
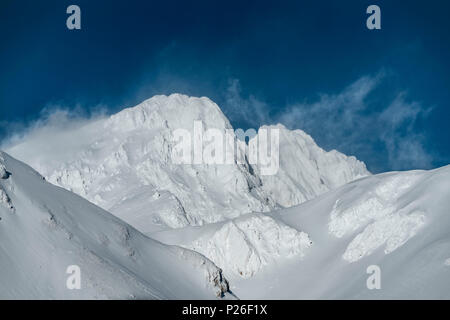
(352, 121)
(250, 110)
(385, 137)
(51, 136)
(405, 146)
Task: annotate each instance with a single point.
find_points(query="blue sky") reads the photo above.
(381, 95)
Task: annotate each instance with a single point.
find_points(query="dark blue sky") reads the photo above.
(260, 61)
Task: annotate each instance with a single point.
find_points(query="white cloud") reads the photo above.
(386, 138)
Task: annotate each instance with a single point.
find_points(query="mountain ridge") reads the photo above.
(123, 154)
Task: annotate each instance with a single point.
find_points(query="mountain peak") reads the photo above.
(173, 111)
(121, 162)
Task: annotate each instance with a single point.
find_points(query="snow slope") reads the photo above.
(398, 221)
(45, 229)
(242, 246)
(123, 164)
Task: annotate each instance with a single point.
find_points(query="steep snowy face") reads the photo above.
(124, 164)
(191, 194)
(51, 229)
(306, 170)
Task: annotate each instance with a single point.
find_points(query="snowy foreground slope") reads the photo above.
(123, 164)
(398, 221)
(44, 229)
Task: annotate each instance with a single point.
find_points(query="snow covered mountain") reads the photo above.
(123, 164)
(45, 229)
(398, 222)
(309, 231)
